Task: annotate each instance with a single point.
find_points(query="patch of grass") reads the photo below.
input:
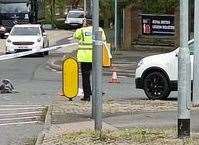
(126, 136)
(134, 136)
(142, 135)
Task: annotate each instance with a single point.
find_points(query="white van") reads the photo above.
(75, 18)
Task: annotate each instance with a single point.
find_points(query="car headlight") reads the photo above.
(140, 63)
(9, 41)
(39, 40)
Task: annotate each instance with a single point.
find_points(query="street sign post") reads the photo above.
(70, 77)
(184, 74)
(95, 25)
(116, 25)
(97, 65)
(196, 56)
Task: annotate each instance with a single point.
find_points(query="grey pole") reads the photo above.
(95, 27)
(85, 5)
(184, 74)
(116, 20)
(98, 82)
(196, 56)
(97, 57)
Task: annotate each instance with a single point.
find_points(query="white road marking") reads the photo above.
(23, 113)
(29, 108)
(20, 114)
(22, 106)
(19, 118)
(19, 123)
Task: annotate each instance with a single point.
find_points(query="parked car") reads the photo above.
(157, 75)
(26, 37)
(75, 18)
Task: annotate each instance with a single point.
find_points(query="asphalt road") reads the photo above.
(36, 85)
(22, 113)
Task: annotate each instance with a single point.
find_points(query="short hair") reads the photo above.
(88, 22)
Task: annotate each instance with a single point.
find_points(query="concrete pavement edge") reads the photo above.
(47, 125)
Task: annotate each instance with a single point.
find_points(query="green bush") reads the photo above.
(60, 24)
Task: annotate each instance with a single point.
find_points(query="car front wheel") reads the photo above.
(156, 86)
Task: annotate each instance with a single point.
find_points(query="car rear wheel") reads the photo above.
(156, 86)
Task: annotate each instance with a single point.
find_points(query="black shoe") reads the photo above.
(85, 99)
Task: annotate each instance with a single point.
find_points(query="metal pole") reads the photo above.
(184, 75)
(115, 41)
(95, 26)
(97, 63)
(85, 5)
(98, 82)
(196, 56)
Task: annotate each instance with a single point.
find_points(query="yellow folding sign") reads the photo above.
(70, 81)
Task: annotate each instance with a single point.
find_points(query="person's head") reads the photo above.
(87, 23)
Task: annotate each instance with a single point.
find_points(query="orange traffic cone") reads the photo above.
(114, 78)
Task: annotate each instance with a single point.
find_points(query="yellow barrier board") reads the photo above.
(70, 81)
(106, 55)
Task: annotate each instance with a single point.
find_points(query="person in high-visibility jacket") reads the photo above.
(84, 55)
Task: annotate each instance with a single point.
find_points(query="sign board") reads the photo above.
(162, 25)
(70, 75)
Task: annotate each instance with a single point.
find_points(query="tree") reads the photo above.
(106, 11)
(154, 6)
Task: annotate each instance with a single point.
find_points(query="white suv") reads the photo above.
(75, 18)
(157, 75)
(26, 37)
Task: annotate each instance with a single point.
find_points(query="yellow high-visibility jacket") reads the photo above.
(84, 37)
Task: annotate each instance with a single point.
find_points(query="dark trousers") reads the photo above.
(86, 68)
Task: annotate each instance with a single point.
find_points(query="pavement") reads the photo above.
(65, 119)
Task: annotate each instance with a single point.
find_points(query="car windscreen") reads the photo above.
(25, 31)
(75, 15)
(14, 8)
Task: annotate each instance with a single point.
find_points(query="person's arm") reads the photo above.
(77, 35)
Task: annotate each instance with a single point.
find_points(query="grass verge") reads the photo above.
(135, 136)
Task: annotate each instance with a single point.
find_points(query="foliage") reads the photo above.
(154, 6)
(106, 11)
